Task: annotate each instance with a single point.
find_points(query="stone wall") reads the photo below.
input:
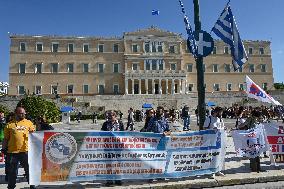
(88, 104)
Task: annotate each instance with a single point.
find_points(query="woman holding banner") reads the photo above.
(250, 123)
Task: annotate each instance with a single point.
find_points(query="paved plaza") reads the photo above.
(236, 169)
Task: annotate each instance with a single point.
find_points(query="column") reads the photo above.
(132, 85)
(180, 86)
(160, 87)
(167, 87)
(139, 86)
(126, 86)
(125, 67)
(146, 85)
(173, 86)
(153, 86)
(185, 86)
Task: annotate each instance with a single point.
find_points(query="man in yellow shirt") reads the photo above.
(16, 142)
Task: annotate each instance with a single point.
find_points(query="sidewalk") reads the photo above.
(236, 172)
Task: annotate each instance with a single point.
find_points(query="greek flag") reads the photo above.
(191, 43)
(226, 29)
(155, 12)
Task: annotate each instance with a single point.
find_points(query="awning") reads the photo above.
(66, 109)
(147, 105)
(210, 103)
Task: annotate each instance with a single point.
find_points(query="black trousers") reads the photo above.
(255, 164)
(14, 160)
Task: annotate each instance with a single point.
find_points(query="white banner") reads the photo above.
(250, 143)
(275, 138)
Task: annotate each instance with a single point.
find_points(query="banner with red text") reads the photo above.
(275, 138)
(86, 156)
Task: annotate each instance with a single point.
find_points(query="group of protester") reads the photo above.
(14, 131)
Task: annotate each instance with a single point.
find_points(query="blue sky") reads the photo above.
(256, 19)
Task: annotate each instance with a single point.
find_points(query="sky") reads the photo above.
(256, 20)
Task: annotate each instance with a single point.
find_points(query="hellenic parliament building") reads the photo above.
(143, 62)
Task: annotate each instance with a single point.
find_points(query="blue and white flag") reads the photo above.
(155, 12)
(191, 43)
(226, 29)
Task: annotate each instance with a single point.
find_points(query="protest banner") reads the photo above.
(84, 156)
(250, 143)
(275, 138)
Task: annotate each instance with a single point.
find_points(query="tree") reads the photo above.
(279, 86)
(37, 106)
(4, 109)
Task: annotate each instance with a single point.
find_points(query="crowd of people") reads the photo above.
(15, 127)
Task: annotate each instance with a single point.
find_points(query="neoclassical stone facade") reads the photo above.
(148, 61)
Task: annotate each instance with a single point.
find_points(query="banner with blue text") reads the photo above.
(90, 155)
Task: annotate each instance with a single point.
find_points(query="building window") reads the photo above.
(38, 68)
(216, 87)
(54, 68)
(116, 89)
(172, 49)
(70, 67)
(85, 68)
(261, 50)
(215, 68)
(264, 86)
(154, 49)
(85, 89)
(134, 66)
(38, 90)
(147, 47)
(54, 89)
(54, 47)
(148, 65)
(161, 64)
(115, 48)
(250, 50)
(251, 68)
(154, 64)
(70, 89)
(227, 68)
(134, 48)
(241, 86)
(229, 86)
(101, 48)
(160, 47)
(189, 67)
(101, 89)
(214, 51)
(21, 90)
(22, 46)
(173, 66)
(190, 87)
(100, 68)
(22, 68)
(263, 67)
(70, 47)
(240, 69)
(85, 48)
(115, 68)
(39, 47)
(226, 50)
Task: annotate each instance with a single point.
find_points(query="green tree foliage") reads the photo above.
(37, 106)
(4, 109)
(279, 86)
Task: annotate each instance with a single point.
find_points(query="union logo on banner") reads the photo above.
(256, 91)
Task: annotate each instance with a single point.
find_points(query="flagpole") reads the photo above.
(200, 71)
